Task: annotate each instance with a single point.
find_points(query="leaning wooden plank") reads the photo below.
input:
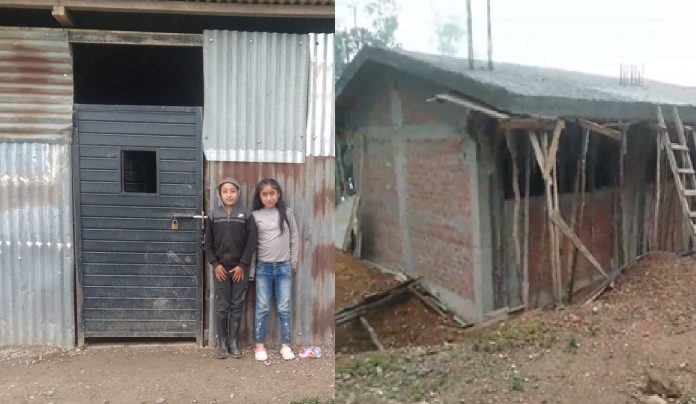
(537, 152)
(561, 224)
(373, 334)
(373, 301)
(357, 251)
(468, 104)
(397, 273)
(553, 149)
(426, 301)
(351, 225)
(602, 130)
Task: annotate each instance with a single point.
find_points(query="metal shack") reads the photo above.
(115, 118)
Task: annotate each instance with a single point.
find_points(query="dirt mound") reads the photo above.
(406, 323)
(606, 351)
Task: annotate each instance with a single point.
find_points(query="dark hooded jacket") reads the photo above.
(230, 239)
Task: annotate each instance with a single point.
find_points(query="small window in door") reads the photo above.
(139, 171)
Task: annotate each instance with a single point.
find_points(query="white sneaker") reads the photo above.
(287, 353)
(261, 355)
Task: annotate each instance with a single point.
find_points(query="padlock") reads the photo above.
(175, 224)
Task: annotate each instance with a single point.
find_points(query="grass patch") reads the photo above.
(311, 401)
(573, 345)
(512, 335)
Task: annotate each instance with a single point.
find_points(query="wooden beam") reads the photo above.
(561, 225)
(602, 130)
(538, 153)
(133, 38)
(60, 13)
(512, 148)
(182, 7)
(373, 334)
(536, 124)
(469, 104)
(553, 149)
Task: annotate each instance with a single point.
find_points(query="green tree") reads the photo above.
(348, 43)
(449, 37)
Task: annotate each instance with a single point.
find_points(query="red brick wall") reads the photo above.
(439, 213)
(379, 208)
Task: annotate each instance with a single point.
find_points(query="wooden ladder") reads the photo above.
(679, 156)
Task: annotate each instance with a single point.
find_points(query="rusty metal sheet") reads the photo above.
(309, 191)
(36, 84)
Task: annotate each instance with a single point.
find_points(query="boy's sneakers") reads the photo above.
(287, 353)
(260, 355)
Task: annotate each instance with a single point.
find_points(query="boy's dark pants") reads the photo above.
(229, 304)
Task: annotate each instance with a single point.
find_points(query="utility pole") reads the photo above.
(490, 38)
(469, 34)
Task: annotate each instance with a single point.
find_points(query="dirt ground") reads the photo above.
(159, 374)
(636, 341)
(408, 323)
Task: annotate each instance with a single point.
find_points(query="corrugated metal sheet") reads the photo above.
(256, 88)
(309, 191)
(36, 250)
(36, 83)
(321, 121)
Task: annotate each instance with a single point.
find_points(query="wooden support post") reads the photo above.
(546, 159)
(654, 236)
(550, 162)
(581, 186)
(525, 270)
(557, 236)
(623, 239)
(373, 334)
(61, 14)
(511, 145)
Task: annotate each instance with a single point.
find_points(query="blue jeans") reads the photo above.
(270, 277)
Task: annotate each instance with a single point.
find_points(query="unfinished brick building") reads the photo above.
(511, 188)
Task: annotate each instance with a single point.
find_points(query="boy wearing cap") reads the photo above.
(230, 243)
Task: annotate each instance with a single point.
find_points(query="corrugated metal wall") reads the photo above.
(36, 83)
(309, 191)
(256, 89)
(36, 226)
(321, 122)
(270, 99)
(36, 250)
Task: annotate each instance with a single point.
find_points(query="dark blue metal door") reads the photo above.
(138, 190)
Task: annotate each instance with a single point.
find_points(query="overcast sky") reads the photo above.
(594, 36)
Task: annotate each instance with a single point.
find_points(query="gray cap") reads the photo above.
(229, 180)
